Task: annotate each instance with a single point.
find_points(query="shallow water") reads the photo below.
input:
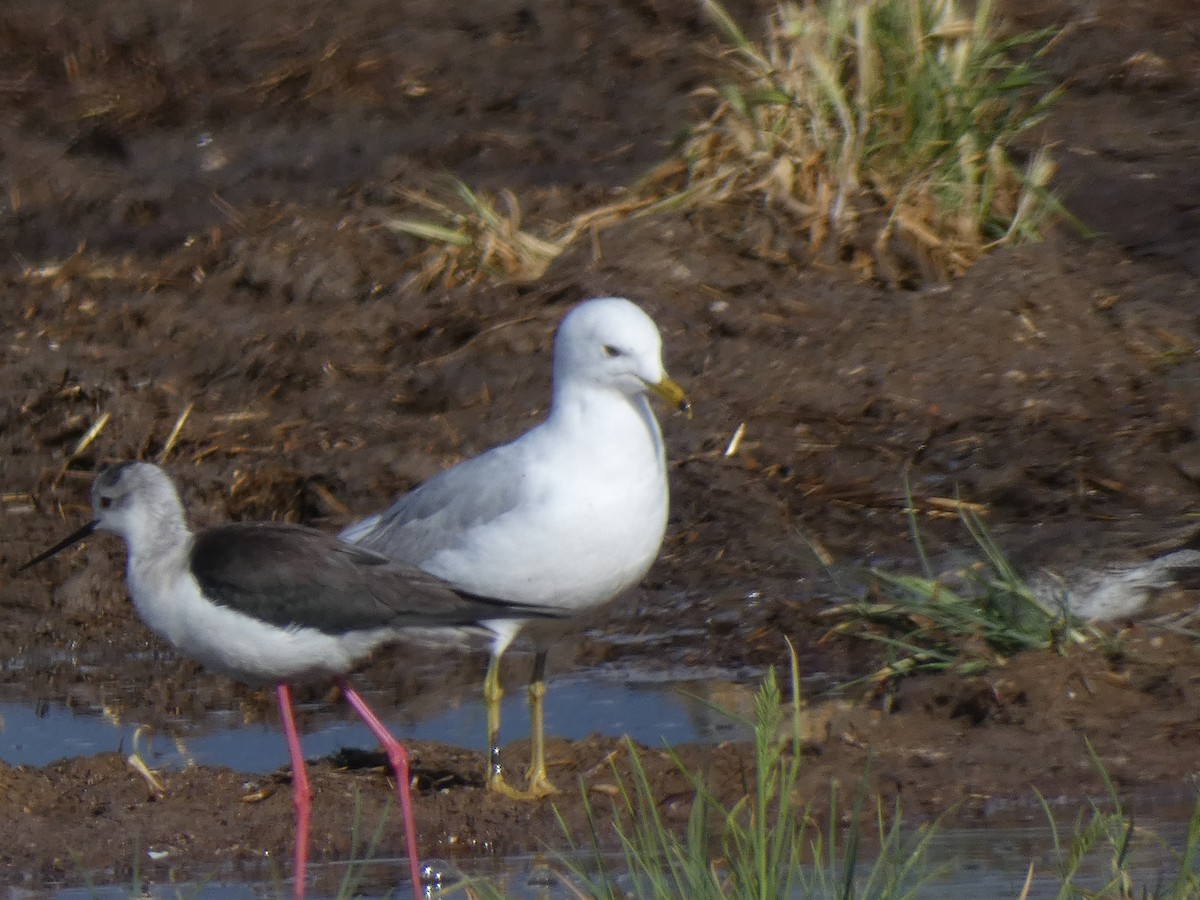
(959, 863)
(651, 710)
(978, 863)
(652, 707)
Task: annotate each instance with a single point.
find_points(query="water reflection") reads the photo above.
(976, 863)
(651, 711)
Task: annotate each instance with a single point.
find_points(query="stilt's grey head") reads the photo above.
(133, 497)
(135, 500)
(610, 342)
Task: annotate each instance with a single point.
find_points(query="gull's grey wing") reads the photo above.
(291, 575)
(436, 514)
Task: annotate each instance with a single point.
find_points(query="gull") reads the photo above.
(273, 603)
(565, 517)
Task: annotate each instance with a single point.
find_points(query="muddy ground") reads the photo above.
(191, 219)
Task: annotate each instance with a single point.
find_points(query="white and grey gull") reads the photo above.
(564, 518)
(274, 603)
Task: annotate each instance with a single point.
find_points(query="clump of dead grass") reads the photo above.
(875, 131)
(881, 133)
(473, 236)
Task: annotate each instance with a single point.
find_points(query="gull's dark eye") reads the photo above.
(610, 351)
(104, 502)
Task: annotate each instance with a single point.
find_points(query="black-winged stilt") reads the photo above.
(274, 603)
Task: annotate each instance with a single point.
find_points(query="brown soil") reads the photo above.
(192, 203)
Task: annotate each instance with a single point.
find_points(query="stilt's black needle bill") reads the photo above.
(66, 542)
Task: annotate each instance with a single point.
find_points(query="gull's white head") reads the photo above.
(611, 343)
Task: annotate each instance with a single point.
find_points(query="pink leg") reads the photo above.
(399, 760)
(301, 794)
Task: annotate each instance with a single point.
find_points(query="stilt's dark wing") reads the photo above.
(291, 575)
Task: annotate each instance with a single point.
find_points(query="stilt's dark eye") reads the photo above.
(611, 351)
(104, 502)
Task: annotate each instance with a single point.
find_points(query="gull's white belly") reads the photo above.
(574, 546)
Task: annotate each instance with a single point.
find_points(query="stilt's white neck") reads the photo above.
(156, 534)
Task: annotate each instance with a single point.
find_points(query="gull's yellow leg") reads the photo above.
(539, 780)
(492, 695)
(539, 784)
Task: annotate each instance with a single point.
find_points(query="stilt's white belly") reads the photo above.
(232, 643)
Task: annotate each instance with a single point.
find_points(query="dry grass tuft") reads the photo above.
(474, 237)
(877, 132)
(477, 237)
(874, 133)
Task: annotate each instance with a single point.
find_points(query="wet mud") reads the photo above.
(193, 208)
